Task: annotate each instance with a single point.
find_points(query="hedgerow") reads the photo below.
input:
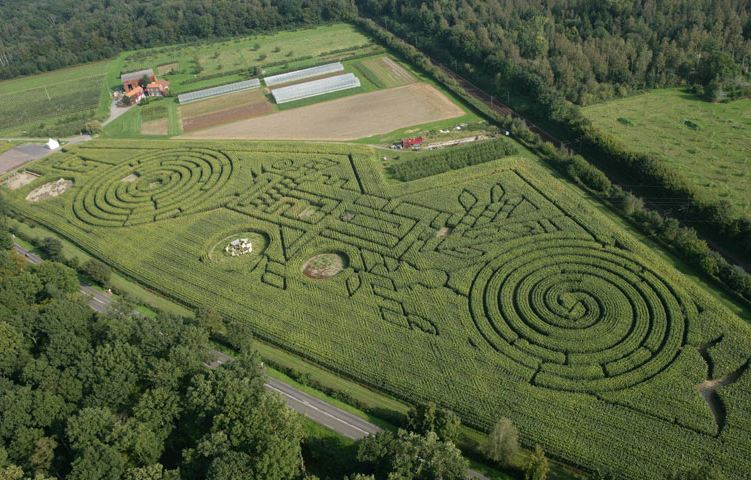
(444, 160)
(492, 290)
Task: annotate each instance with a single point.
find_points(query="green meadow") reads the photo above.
(709, 143)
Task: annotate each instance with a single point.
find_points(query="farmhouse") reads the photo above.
(131, 80)
(158, 88)
(133, 96)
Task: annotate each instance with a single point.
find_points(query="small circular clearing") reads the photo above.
(237, 246)
(324, 266)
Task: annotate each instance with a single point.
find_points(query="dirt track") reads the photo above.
(348, 118)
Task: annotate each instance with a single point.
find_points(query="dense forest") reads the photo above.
(588, 50)
(41, 35)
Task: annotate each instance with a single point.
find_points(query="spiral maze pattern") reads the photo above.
(575, 316)
(164, 184)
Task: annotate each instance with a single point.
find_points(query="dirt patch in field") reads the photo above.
(49, 190)
(20, 179)
(347, 118)
(130, 178)
(325, 265)
(225, 109)
(227, 116)
(307, 213)
(443, 232)
(155, 127)
(167, 68)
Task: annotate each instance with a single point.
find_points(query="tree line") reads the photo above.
(452, 158)
(42, 35)
(586, 50)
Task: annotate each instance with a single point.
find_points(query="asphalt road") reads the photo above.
(321, 412)
(334, 418)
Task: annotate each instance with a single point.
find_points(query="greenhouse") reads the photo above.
(318, 71)
(315, 88)
(217, 91)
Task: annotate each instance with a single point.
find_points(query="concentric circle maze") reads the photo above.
(573, 315)
(160, 185)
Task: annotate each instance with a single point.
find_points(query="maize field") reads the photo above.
(496, 290)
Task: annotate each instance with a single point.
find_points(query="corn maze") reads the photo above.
(166, 184)
(493, 290)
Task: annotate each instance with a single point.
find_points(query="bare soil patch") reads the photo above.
(155, 127)
(443, 232)
(227, 116)
(347, 118)
(167, 68)
(224, 102)
(307, 213)
(20, 179)
(325, 265)
(130, 178)
(49, 190)
(222, 110)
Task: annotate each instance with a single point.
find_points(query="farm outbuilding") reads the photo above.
(134, 96)
(412, 142)
(158, 88)
(131, 80)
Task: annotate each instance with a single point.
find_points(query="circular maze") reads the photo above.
(576, 316)
(159, 185)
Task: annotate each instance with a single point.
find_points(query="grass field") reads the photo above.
(708, 143)
(206, 64)
(160, 118)
(52, 104)
(494, 290)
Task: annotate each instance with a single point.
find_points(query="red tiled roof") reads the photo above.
(160, 84)
(136, 91)
(408, 142)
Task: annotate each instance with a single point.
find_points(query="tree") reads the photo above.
(407, 456)
(57, 279)
(151, 472)
(53, 248)
(145, 80)
(98, 271)
(245, 429)
(11, 345)
(212, 321)
(537, 467)
(502, 443)
(93, 127)
(427, 417)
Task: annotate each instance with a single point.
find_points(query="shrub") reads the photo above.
(100, 272)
